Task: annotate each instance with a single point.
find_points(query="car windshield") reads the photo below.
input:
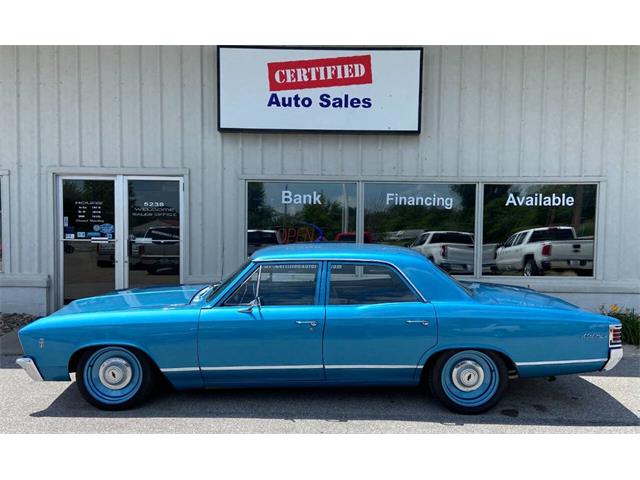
(216, 287)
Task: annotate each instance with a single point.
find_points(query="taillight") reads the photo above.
(443, 251)
(615, 335)
(141, 250)
(546, 250)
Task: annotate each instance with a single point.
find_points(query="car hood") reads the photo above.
(492, 293)
(151, 297)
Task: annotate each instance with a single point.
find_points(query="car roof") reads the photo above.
(552, 227)
(336, 250)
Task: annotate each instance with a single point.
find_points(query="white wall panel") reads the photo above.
(530, 112)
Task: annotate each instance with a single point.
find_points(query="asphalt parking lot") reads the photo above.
(603, 402)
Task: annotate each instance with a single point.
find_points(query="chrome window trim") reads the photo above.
(354, 260)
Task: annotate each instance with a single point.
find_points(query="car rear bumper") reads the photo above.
(29, 366)
(568, 264)
(615, 355)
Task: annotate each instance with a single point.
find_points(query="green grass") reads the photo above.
(630, 323)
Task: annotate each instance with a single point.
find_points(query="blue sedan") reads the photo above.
(320, 315)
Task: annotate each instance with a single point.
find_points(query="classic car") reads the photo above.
(319, 315)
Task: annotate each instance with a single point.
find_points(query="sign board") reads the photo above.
(319, 89)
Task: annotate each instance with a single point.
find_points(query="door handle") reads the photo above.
(311, 323)
(424, 323)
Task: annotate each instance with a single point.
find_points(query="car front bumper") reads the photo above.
(615, 355)
(29, 366)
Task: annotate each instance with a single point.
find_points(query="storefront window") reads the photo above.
(293, 212)
(436, 220)
(536, 230)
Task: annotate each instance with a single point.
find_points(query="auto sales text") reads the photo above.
(324, 101)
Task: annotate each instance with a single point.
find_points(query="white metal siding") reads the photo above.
(488, 113)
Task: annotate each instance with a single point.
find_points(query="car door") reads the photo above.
(516, 258)
(509, 256)
(275, 340)
(377, 326)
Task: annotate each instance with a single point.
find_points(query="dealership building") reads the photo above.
(131, 166)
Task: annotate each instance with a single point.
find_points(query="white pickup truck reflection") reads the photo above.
(537, 250)
(453, 251)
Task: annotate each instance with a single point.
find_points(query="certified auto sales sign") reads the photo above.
(318, 89)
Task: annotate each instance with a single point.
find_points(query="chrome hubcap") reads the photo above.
(467, 375)
(115, 373)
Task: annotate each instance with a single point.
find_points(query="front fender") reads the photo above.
(167, 336)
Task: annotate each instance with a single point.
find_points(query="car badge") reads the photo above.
(41, 343)
(593, 336)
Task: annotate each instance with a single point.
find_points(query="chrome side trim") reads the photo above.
(561, 362)
(262, 367)
(29, 366)
(281, 367)
(615, 355)
(372, 366)
(181, 369)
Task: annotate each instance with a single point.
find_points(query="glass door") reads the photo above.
(88, 240)
(153, 231)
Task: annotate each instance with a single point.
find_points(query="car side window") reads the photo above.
(355, 284)
(518, 240)
(278, 285)
(246, 292)
(509, 240)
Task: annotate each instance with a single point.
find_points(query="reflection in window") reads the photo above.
(535, 230)
(353, 284)
(436, 220)
(293, 212)
(154, 232)
(0, 224)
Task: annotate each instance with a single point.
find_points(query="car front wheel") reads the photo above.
(468, 381)
(114, 378)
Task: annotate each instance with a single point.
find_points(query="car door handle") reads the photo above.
(311, 323)
(424, 323)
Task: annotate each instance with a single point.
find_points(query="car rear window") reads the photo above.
(551, 234)
(262, 237)
(452, 238)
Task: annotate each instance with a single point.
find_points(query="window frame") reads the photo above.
(419, 298)
(5, 264)
(258, 266)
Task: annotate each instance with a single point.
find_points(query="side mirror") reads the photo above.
(249, 308)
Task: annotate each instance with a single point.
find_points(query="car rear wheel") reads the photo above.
(530, 268)
(468, 381)
(114, 378)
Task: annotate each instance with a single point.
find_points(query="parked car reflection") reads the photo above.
(257, 239)
(535, 251)
(157, 251)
